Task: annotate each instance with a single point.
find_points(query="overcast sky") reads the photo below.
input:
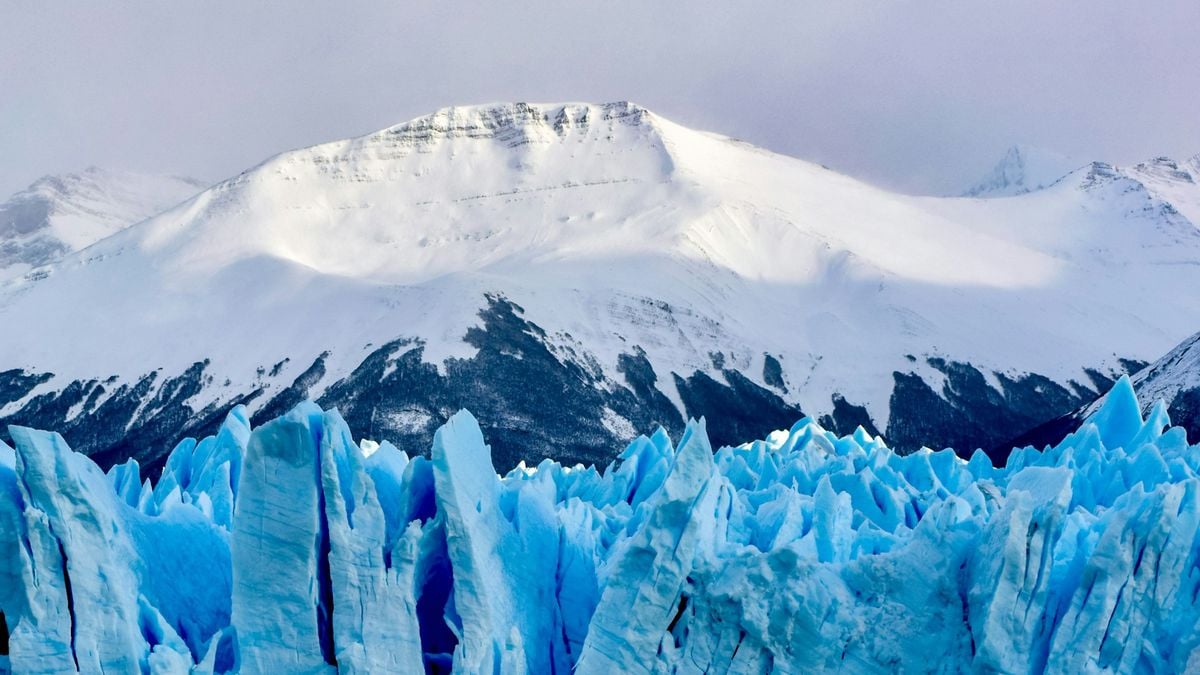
(918, 96)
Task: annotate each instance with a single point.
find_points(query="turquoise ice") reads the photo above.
(292, 548)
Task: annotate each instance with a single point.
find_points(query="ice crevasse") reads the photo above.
(291, 548)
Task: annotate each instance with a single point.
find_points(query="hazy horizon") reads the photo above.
(910, 96)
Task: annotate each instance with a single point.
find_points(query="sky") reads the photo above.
(921, 97)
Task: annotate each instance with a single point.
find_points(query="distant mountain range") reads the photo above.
(58, 215)
(576, 274)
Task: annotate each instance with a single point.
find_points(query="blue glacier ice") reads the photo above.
(292, 548)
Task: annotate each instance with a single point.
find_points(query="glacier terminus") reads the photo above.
(382, 338)
(290, 547)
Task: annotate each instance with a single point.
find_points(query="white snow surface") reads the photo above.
(620, 228)
(61, 214)
(286, 548)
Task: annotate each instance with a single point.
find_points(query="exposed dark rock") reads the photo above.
(773, 373)
(737, 411)
(295, 393)
(969, 413)
(1082, 391)
(104, 427)
(278, 367)
(1184, 410)
(1099, 380)
(918, 413)
(846, 417)
(1047, 434)
(531, 404)
(1029, 398)
(641, 378)
(539, 397)
(1132, 366)
(534, 400)
(16, 384)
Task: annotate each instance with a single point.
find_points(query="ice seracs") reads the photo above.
(804, 552)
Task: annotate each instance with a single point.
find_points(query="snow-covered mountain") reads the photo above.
(1022, 169)
(578, 273)
(290, 548)
(58, 215)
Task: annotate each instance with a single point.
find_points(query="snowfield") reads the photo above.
(290, 547)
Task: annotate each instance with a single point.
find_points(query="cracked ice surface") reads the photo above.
(290, 548)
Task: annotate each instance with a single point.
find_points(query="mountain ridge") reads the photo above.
(60, 214)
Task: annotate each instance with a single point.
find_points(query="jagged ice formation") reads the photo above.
(290, 548)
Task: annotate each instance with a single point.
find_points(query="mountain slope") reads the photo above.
(1173, 379)
(58, 215)
(503, 257)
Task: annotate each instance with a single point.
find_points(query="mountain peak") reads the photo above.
(495, 143)
(1167, 169)
(1022, 169)
(516, 123)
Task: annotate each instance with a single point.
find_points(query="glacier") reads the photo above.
(292, 548)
